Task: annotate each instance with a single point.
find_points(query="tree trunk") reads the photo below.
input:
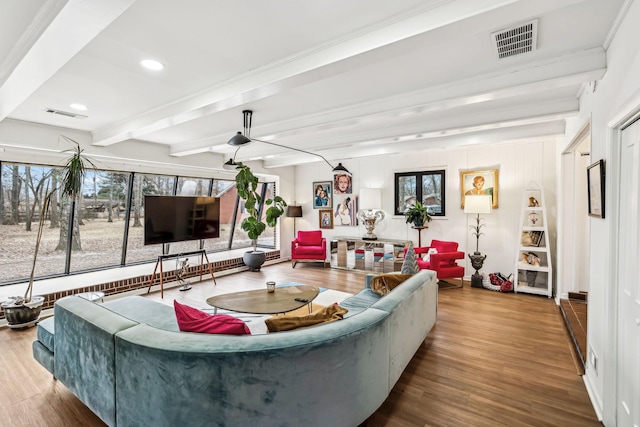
(53, 206)
(15, 196)
(27, 201)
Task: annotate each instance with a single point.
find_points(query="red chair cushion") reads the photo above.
(310, 238)
(193, 320)
(443, 247)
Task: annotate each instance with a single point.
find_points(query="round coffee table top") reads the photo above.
(262, 302)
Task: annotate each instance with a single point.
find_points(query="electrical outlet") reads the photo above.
(593, 360)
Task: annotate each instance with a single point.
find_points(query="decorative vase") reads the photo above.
(531, 277)
(22, 315)
(254, 260)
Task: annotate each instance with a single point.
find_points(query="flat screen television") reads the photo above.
(170, 219)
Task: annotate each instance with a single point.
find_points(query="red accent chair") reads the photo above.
(309, 246)
(443, 262)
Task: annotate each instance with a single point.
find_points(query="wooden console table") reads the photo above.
(203, 256)
(383, 255)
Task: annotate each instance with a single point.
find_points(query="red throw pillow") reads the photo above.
(193, 320)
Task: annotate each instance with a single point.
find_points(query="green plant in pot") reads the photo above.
(247, 187)
(24, 311)
(417, 214)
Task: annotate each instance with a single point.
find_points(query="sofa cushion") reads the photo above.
(46, 333)
(193, 320)
(327, 314)
(360, 301)
(382, 284)
(310, 238)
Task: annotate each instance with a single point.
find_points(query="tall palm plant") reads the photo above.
(26, 310)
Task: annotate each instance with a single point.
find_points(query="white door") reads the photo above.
(628, 354)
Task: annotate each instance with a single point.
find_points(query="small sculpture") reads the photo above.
(181, 272)
(533, 202)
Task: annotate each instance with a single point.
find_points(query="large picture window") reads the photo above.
(427, 187)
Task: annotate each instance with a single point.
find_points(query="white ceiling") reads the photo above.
(341, 78)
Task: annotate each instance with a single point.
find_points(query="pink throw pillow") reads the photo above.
(193, 320)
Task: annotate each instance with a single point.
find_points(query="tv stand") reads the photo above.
(163, 257)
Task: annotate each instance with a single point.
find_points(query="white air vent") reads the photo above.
(65, 113)
(515, 40)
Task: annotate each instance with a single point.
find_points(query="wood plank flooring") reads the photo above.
(493, 359)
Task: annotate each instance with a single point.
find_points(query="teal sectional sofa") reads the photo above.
(129, 363)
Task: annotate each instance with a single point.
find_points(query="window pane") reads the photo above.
(406, 194)
(267, 238)
(225, 191)
(100, 226)
(193, 187)
(23, 189)
(432, 192)
(145, 185)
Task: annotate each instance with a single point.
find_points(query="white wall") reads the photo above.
(616, 95)
(518, 163)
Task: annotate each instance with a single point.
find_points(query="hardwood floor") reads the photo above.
(492, 359)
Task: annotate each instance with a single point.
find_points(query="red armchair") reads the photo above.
(444, 261)
(309, 246)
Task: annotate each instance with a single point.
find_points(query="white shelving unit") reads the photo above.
(534, 273)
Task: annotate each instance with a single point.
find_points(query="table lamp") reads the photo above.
(477, 205)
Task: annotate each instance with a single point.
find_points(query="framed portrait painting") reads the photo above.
(595, 187)
(322, 193)
(342, 184)
(325, 218)
(346, 207)
(481, 182)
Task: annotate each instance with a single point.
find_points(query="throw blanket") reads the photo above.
(382, 284)
(324, 315)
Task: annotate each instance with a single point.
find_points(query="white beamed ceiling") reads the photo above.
(343, 79)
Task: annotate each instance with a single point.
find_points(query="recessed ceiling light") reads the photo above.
(79, 107)
(152, 64)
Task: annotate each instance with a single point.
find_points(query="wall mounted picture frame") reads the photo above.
(322, 194)
(479, 182)
(596, 189)
(345, 210)
(325, 218)
(342, 183)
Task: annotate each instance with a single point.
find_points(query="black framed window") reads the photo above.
(427, 187)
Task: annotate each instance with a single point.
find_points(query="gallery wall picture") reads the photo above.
(325, 218)
(595, 187)
(479, 182)
(345, 210)
(322, 194)
(342, 184)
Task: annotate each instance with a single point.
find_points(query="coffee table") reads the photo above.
(260, 301)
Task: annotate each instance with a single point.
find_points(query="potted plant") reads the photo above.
(247, 186)
(24, 311)
(417, 214)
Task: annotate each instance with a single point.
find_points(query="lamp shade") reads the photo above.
(341, 169)
(294, 211)
(370, 198)
(477, 204)
(238, 139)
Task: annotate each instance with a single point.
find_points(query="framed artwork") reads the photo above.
(342, 184)
(322, 193)
(536, 237)
(345, 210)
(479, 182)
(325, 218)
(426, 187)
(595, 187)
